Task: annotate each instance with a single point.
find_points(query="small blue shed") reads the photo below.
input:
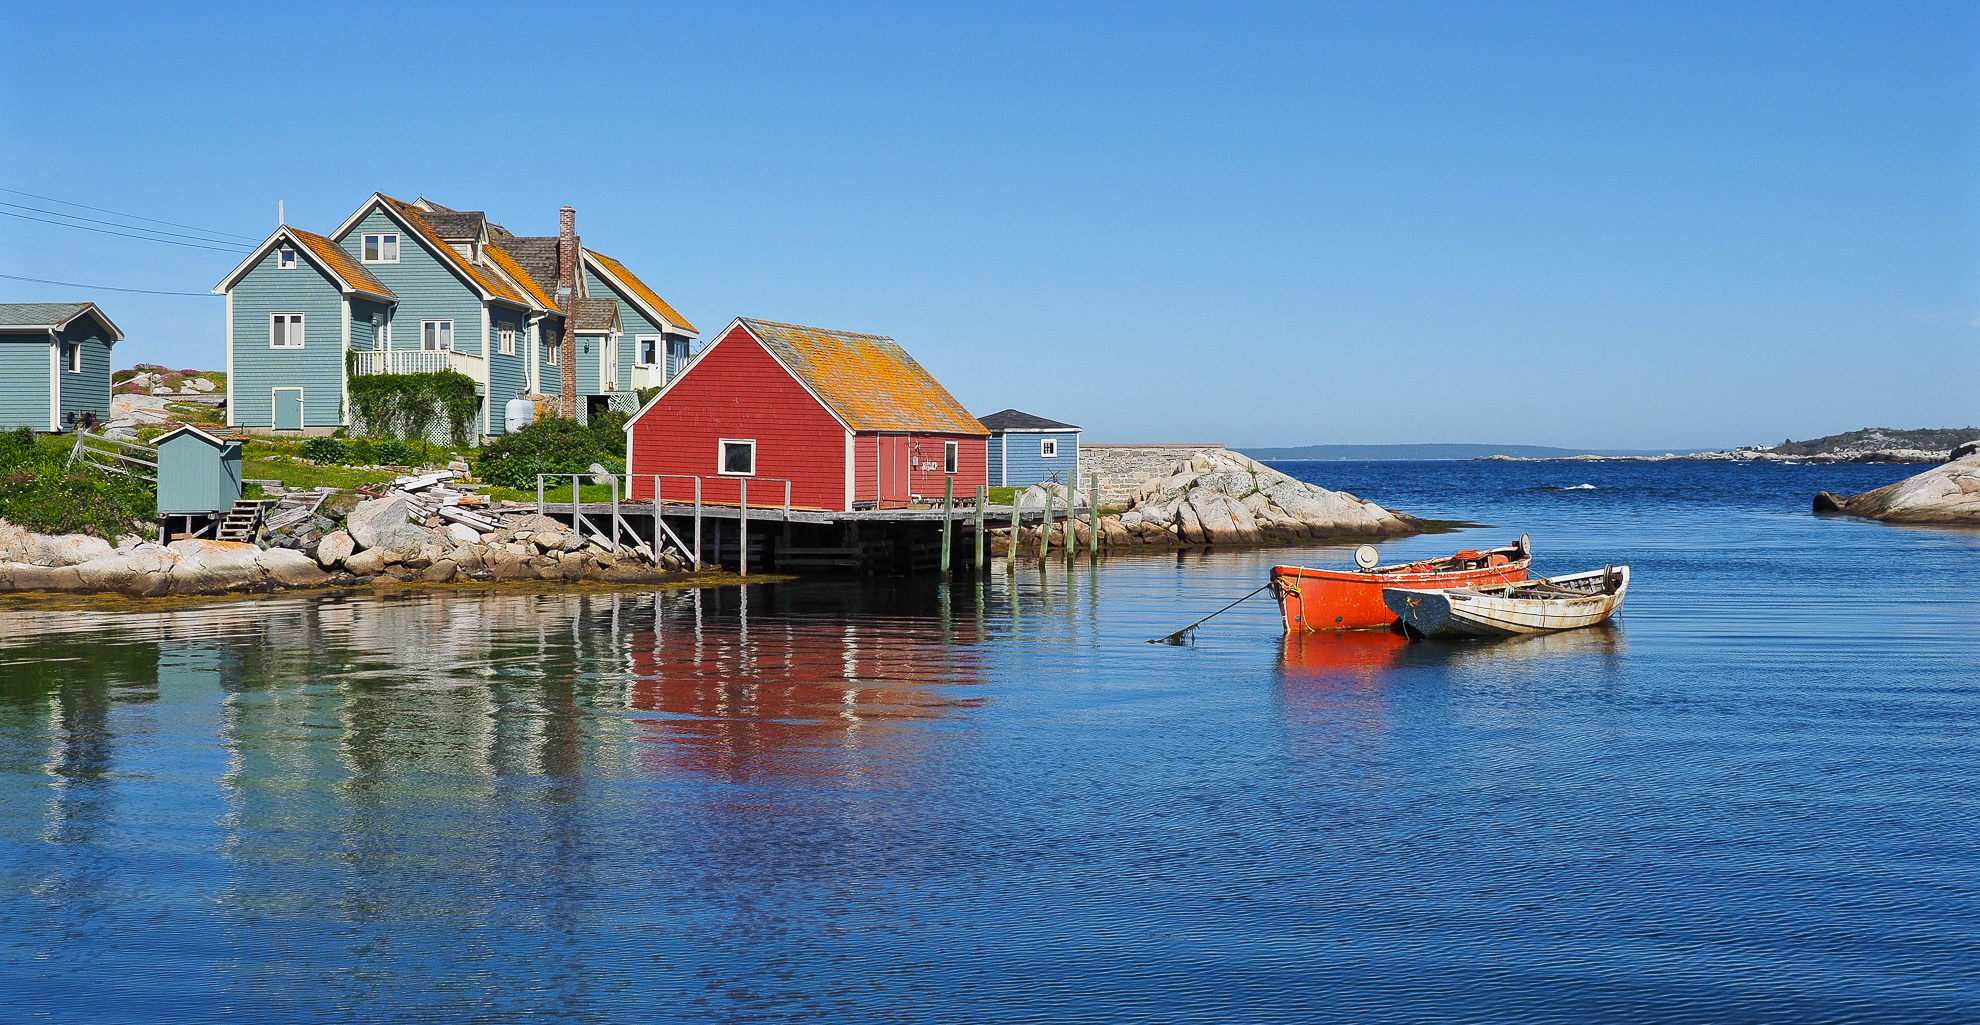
(54, 365)
(199, 474)
(1027, 449)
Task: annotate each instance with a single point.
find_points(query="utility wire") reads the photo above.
(141, 217)
(116, 224)
(102, 288)
(229, 248)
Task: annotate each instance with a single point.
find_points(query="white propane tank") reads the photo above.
(518, 414)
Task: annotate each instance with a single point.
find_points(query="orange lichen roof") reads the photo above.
(508, 265)
(639, 288)
(490, 283)
(340, 263)
(868, 380)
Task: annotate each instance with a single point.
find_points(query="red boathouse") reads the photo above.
(850, 419)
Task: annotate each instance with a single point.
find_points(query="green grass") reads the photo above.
(1003, 496)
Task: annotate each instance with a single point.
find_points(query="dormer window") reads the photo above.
(381, 249)
(286, 259)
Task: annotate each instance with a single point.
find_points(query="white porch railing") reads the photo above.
(648, 375)
(415, 361)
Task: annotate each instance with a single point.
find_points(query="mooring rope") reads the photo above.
(1179, 635)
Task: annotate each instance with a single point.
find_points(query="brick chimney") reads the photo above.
(567, 272)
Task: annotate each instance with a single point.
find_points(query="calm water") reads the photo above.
(1757, 798)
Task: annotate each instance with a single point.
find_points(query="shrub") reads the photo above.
(554, 445)
(39, 491)
(410, 405)
(326, 451)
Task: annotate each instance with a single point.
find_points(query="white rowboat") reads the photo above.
(1503, 610)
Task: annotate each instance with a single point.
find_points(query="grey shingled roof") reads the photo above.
(37, 315)
(537, 256)
(455, 225)
(1014, 420)
(596, 314)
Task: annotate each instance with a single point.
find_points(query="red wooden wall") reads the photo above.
(737, 390)
(972, 465)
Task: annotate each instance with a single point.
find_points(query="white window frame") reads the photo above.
(1048, 448)
(72, 353)
(553, 354)
(371, 248)
(434, 327)
(659, 343)
(293, 329)
(285, 259)
(505, 340)
(722, 457)
(951, 456)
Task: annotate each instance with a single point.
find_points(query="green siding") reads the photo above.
(317, 368)
(89, 391)
(549, 374)
(506, 377)
(588, 362)
(24, 390)
(363, 338)
(427, 288)
(634, 322)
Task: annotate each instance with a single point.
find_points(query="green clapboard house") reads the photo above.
(405, 288)
(54, 365)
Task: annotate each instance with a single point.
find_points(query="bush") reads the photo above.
(411, 405)
(553, 445)
(326, 451)
(39, 491)
(375, 452)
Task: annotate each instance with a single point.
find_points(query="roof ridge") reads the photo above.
(820, 330)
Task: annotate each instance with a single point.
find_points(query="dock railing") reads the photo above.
(580, 522)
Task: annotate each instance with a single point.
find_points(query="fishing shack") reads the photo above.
(1027, 449)
(199, 480)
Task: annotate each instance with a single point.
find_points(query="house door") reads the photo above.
(288, 409)
(895, 478)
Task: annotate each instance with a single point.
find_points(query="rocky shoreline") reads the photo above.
(1948, 495)
(1218, 497)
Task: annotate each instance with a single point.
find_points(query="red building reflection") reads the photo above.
(793, 697)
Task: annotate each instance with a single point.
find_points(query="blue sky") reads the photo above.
(1576, 224)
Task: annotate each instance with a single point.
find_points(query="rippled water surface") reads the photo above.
(1753, 799)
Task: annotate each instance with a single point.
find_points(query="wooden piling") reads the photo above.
(1093, 516)
(742, 533)
(1045, 530)
(948, 518)
(982, 497)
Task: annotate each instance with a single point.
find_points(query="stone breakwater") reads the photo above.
(1946, 494)
(1218, 497)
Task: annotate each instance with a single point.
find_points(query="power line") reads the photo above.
(99, 288)
(141, 217)
(148, 238)
(115, 224)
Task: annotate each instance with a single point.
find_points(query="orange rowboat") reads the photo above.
(1328, 599)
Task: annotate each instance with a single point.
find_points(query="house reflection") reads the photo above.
(741, 697)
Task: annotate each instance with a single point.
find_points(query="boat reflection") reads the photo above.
(1365, 656)
(1349, 656)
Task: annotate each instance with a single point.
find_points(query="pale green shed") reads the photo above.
(199, 474)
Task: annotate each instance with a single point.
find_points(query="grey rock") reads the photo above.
(335, 547)
(370, 517)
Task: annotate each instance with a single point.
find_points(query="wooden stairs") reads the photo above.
(243, 521)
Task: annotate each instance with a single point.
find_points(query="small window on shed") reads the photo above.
(286, 259)
(72, 352)
(738, 457)
(948, 457)
(1048, 447)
